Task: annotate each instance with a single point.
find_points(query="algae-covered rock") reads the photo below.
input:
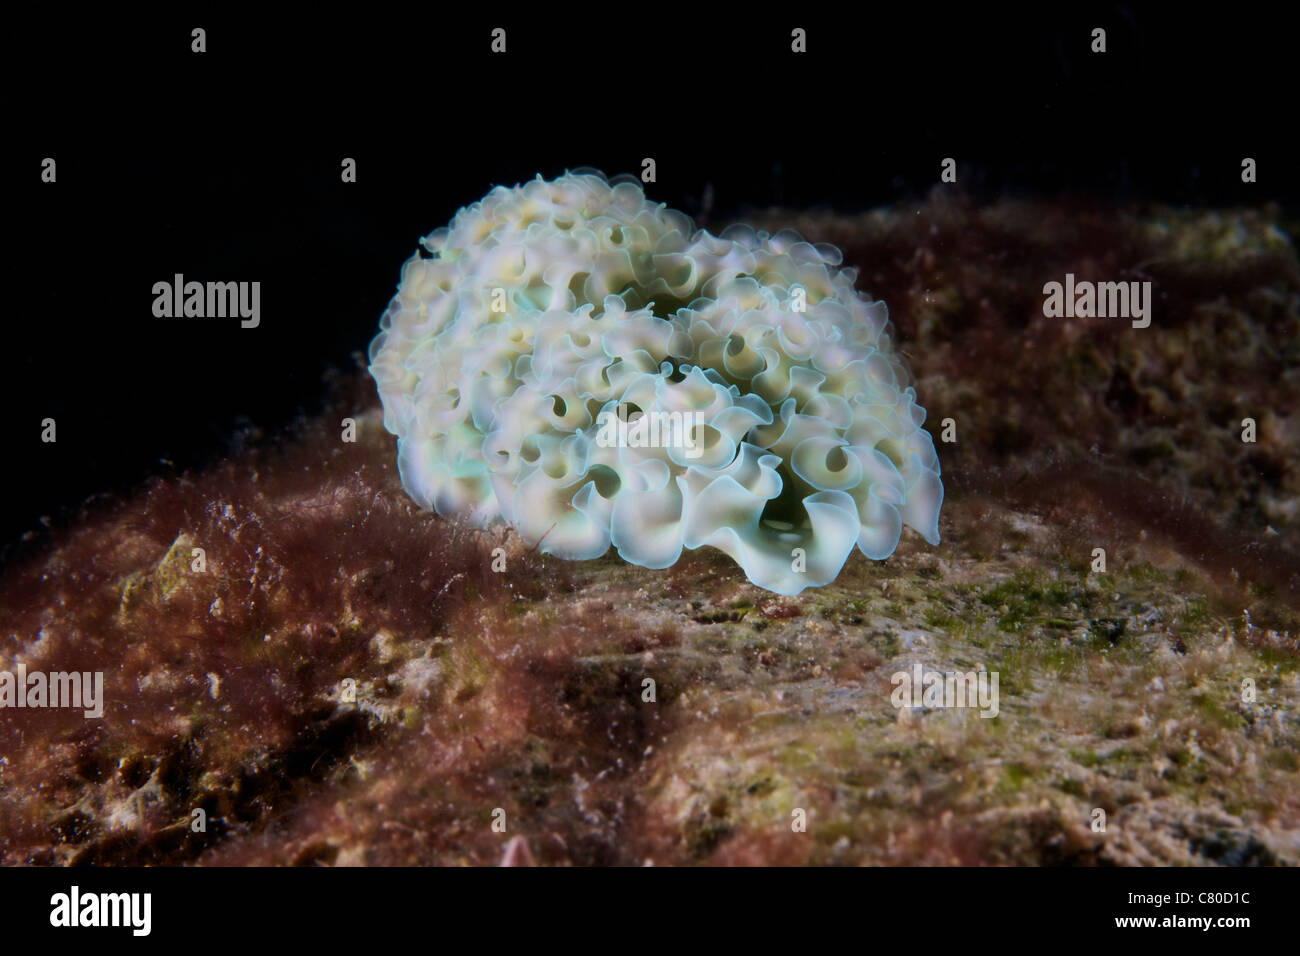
(346, 680)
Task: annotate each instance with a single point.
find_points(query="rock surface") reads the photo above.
(349, 681)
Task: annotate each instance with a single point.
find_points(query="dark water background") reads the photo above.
(226, 167)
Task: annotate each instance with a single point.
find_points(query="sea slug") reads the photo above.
(543, 312)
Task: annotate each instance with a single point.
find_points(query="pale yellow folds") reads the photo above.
(542, 307)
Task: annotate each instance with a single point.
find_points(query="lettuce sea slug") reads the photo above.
(582, 364)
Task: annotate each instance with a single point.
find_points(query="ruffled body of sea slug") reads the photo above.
(542, 311)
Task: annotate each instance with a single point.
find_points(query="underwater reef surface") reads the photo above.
(227, 690)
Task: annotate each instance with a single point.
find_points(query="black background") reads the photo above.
(225, 166)
(916, 909)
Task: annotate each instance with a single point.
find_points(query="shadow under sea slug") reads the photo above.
(544, 314)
